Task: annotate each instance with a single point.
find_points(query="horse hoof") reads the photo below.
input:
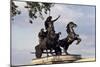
(67, 53)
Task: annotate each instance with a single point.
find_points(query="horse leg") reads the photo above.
(78, 40)
(47, 53)
(51, 51)
(58, 51)
(38, 51)
(65, 49)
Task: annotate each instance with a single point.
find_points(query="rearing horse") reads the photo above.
(72, 36)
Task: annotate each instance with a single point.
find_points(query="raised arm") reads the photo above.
(56, 19)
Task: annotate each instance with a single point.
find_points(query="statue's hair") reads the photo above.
(48, 18)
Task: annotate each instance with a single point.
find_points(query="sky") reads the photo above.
(25, 35)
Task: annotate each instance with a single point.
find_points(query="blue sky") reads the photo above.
(25, 35)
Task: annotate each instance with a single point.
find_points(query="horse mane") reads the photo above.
(68, 28)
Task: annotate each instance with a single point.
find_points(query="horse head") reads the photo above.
(71, 25)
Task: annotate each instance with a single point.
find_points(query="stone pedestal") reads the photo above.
(56, 59)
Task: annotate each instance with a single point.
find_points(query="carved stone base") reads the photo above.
(56, 59)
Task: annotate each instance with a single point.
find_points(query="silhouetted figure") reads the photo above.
(49, 40)
(41, 35)
(49, 22)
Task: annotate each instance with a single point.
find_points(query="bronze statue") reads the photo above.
(49, 43)
(49, 40)
(50, 23)
(72, 36)
(42, 34)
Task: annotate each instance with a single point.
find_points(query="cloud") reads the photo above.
(66, 13)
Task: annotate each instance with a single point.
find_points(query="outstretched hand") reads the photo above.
(59, 16)
(56, 19)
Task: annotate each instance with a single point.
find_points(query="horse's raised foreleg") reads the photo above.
(78, 41)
